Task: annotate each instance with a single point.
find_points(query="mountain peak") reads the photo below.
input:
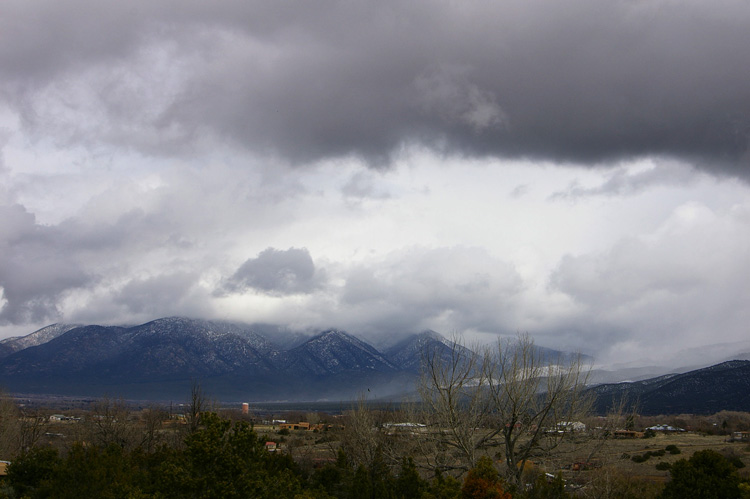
(408, 353)
(432, 335)
(334, 333)
(334, 351)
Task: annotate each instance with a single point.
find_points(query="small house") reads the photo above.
(571, 426)
(665, 428)
(741, 436)
(294, 426)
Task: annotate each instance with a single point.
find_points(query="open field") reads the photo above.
(589, 461)
(577, 458)
(618, 453)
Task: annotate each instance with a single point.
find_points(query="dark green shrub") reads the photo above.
(736, 461)
(31, 469)
(663, 466)
(672, 449)
(707, 474)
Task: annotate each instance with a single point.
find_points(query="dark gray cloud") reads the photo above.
(584, 81)
(35, 271)
(43, 264)
(276, 272)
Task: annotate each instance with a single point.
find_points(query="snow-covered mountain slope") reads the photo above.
(724, 386)
(333, 352)
(161, 357)
(165, 348)
(410, 353)
(38, 337)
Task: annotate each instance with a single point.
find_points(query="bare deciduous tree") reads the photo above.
(31, 425)
(152, 418)
(9, 426)
(455, 405)
(535, 400)
(109, 423)
(508, 396)
(198, 404)
(360, 439)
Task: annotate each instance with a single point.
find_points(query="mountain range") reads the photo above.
(159, 360)
(724, 386)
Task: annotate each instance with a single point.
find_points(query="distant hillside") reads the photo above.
(725, 386)
(17, 343)
(334, 352)
(160, 359)
(409, 353)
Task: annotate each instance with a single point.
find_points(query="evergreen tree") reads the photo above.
(334, 479)
(543, 488)
(381, 479)
(106, 473)
(707, 474)
(31, 470)
(223, 460)
(443, 487)
(409, 484)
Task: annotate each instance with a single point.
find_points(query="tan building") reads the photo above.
(294, 426)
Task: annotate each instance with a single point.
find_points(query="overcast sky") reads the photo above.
(577, 170)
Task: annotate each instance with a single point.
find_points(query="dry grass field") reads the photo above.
(585, 463)
(589, 454)
(592, 466)
(618, 453)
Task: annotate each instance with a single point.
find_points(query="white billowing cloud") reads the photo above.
(632, 179)
(149, 296)
(442, 288)
(436, 241)
(405, 291)
(661, 293)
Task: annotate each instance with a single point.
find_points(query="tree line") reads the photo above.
(486, 423)
(225, 459)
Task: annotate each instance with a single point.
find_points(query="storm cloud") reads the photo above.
(35, 269)
(585, 81)
(276, 272)
(575, 170)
